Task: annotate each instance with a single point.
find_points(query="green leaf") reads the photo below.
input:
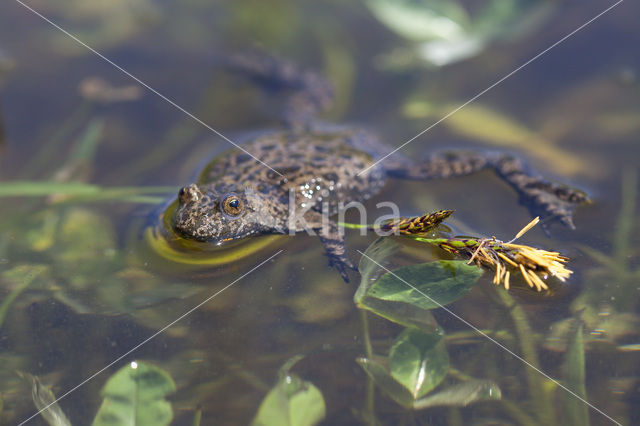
(427, 286)
(462, 394)
(459, 395)
(370, 270)
(291, 402)
(419, 361)
(574, 377)
(381, 376)
(378, 254)
(135, 395)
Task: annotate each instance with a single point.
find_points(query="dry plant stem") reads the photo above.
(541, 398)
(507, 258)
(504, 259)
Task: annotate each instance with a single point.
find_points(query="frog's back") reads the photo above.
(321, 166)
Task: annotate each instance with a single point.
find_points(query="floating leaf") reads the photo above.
(428, 285)
(461, 395)
(135, 395)
(419, 361)
(291, 402)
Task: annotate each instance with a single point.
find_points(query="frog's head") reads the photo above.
(221, 214)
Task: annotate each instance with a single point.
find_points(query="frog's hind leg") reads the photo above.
(333, 242)
(543, 198)
(306, 92)
(335, 249)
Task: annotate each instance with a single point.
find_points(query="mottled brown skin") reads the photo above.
(236, 196)
(316, 168)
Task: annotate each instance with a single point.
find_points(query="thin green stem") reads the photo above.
(78, 192)
(472, 336)
(38, 163)
(626, 216)
(368, 348)
(369, 408)
(197, 417)
(541, 398)
(353, 225)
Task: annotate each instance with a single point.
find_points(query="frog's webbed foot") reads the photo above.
(545, 199)
(335, 249)
(306, 92)
(333, 242)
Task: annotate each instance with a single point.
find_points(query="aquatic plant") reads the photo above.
(505, 258)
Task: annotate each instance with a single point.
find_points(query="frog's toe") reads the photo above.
(342, 263)
(554, 201)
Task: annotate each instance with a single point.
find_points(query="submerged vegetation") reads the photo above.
(86, 164)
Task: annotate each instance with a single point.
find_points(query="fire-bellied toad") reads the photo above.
(311, 168)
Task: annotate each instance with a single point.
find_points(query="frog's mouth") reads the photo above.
(224, 233)
(171, 243)
(237, 238)
(165, 243)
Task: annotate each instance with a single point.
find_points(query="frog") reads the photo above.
(297, 177)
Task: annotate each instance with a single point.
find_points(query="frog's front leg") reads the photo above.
(540, 196)
(332, 240)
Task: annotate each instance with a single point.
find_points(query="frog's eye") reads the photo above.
(232, 205)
